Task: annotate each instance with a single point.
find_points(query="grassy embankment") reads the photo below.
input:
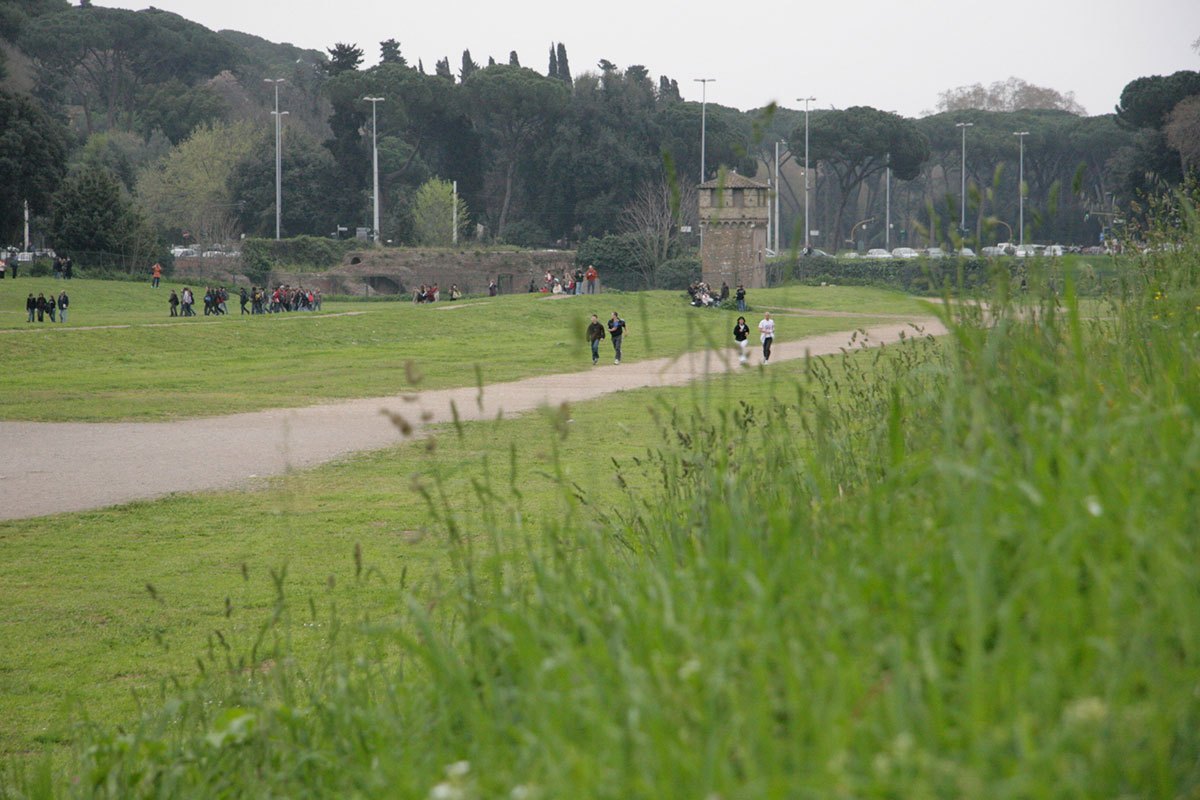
(87, 573)
(206, 366)
(965, 570)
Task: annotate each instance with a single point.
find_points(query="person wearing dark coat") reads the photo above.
(41, 307)
(63, 303)
(31, 306)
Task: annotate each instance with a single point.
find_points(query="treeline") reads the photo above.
(175, 121)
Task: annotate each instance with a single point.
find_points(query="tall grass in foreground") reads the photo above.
(965, 569)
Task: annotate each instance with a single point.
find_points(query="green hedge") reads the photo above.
(915, 275)
(260, 256)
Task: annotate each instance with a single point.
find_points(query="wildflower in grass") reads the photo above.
(1085, 711)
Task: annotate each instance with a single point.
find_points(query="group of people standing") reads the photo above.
(581, 281)
(432, 294)
(42, 306)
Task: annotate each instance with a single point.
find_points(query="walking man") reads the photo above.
(595, 333)
(155, 275)
(616, 330)
(741, 297)
(766, 330)
(591, 275)
(63, 302)
(243, 298)
(31, 306)
(174, 302)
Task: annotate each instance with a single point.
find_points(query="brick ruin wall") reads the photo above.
(398, 271)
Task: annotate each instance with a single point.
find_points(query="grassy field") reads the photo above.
(955, 569)
(159, 369)
(92, 568)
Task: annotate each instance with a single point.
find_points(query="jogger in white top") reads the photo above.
(766, 330)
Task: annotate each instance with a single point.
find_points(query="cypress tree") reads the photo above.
(564, 69)
(469, 67)
(552, 72)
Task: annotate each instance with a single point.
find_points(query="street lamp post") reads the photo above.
(962, 214)
(704, 82)
(775, 203)
(807, 227)
(1021, 188)
(375, 165)
(887, 221)
(278, 157)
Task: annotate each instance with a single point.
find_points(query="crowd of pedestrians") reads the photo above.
(255, 301)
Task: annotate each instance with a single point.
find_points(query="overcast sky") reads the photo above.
(891, 55)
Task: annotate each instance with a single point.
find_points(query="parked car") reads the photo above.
(993, 252)
(849, 255)
(965, 252)
(935, 252)
(877, 252)
(904, 252)
(813, 252)
(183, 252)
(1055, 250)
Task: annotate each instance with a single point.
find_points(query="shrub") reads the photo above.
(525, 233)
(677, 273)
(260, 256)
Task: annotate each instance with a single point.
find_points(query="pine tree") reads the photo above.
(564, 69)
(343, 58)
(389, 53)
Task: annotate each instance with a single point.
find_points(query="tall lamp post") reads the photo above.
(962, 214)
(887, 220)
(807, 227)
(1021, 188)
(375, 165)
(704, 82)
(278, 158)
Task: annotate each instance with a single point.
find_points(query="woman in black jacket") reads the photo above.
(741, 331)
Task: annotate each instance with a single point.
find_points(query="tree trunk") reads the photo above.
(508, 182)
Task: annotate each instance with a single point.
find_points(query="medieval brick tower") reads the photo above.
(733, 220)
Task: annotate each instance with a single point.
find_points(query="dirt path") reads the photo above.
(47, 468)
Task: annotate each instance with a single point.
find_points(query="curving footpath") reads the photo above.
(84, 465)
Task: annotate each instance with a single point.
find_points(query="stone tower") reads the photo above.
(733, 221)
